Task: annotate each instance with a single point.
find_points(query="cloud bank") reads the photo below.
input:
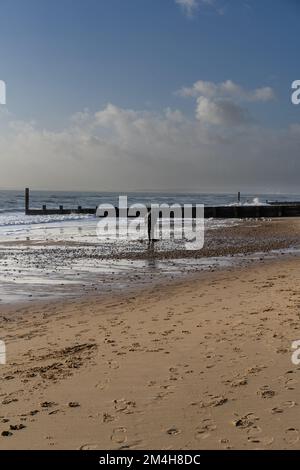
(220, 148)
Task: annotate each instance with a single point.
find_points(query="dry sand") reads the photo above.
(203, 364)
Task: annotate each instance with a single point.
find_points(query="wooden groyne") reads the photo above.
(270, 210)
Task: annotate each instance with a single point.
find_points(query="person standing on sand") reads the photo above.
(150, 220)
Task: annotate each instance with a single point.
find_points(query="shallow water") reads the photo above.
(38, 272)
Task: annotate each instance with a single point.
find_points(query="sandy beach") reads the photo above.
(203, 363)
(149, 232)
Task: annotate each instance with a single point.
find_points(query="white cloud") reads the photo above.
(190, 7)
(221, 103)
(220, 112)
(227, 89)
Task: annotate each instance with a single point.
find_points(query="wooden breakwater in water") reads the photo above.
(271, 210)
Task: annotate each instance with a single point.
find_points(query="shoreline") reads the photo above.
(259, 260)
(45, 268)
(203, 363)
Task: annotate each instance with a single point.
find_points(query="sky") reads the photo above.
(173, 95)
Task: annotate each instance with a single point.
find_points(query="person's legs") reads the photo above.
(149, 227)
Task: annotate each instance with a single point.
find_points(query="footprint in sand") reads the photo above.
(238, 382)
(276, 410)
(284, 405)
(131, 445)
(125, 406)
(103, 385)
(247, 421)
(262, 441)
(291, 436)
(203, 430)
(215, 402)
(266, 392)
(90, 447)
(173, 431)
(288, 404)
(107, 418)
(290, 384)
(119, 435)
(254, 431)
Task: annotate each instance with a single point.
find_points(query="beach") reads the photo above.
(149, 232)
(202, 362)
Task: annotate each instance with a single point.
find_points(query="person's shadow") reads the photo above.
(152, 263)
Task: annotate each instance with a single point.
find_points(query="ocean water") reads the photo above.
(12, 202)
(15, 225)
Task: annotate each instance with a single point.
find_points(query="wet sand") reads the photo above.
(49, 267)
(203, 363)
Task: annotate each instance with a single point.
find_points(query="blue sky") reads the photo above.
(61, 57)
(64, 55)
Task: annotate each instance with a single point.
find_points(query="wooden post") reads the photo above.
(239, 197)
(26, 200)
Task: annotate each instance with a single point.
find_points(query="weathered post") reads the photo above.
(26, 200)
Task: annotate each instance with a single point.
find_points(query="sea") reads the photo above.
(12, 212)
